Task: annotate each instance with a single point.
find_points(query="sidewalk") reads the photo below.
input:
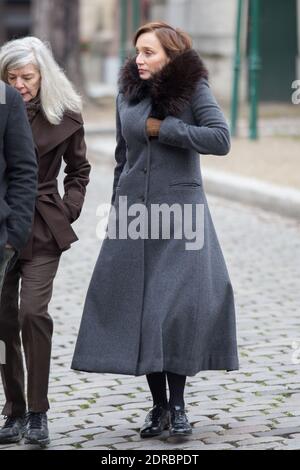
(265, 172)
(256, 407)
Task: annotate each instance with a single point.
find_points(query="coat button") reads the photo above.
(145, 170)
(142, 198)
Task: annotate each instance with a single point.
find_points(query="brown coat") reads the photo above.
(51, 229)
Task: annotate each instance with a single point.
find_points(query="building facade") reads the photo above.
(107, 26)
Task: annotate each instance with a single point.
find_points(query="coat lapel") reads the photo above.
(47, 136)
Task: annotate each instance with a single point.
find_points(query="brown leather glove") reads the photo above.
(153, 126)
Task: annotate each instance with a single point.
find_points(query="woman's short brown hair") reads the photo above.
(173, 40)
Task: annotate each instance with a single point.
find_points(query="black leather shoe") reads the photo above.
(12, 430)
(36, 431)
(156, 421)
(180, 425)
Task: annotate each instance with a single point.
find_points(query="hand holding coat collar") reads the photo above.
(170, 89)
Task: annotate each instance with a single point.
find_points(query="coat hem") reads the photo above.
(225, 363)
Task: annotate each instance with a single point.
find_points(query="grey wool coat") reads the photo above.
(152, 305)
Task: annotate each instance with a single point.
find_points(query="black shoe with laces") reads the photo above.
(156, 421)
(180, 425)
(12, 430)
(36, 431)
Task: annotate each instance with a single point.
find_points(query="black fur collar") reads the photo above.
(170, 89)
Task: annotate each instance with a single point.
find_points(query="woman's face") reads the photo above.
(26, 80)
(151, 56)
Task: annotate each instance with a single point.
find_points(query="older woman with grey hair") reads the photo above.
(54, 112)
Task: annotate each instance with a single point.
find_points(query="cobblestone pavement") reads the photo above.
(257, 407)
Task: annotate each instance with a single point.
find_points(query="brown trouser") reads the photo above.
(27, 311)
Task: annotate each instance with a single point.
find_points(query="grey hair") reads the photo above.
(57, 92)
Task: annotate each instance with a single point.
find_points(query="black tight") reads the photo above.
(157, 384)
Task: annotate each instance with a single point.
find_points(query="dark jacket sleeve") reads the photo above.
(21, 170)
(120, 153)
(210, 135)
(77, 170)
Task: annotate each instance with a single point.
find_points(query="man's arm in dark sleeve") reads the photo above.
(21, 170)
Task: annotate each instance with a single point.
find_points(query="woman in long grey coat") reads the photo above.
(161, 305)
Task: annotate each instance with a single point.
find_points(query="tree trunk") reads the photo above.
(57, 21)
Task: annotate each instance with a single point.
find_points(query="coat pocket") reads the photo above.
(4, 213)
(57, 221)
(185, 184)
(64, 208)
(5, 210)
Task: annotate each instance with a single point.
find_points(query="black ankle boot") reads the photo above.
(12, 430)
(180, 425)
(37, 429)
(156, 421)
